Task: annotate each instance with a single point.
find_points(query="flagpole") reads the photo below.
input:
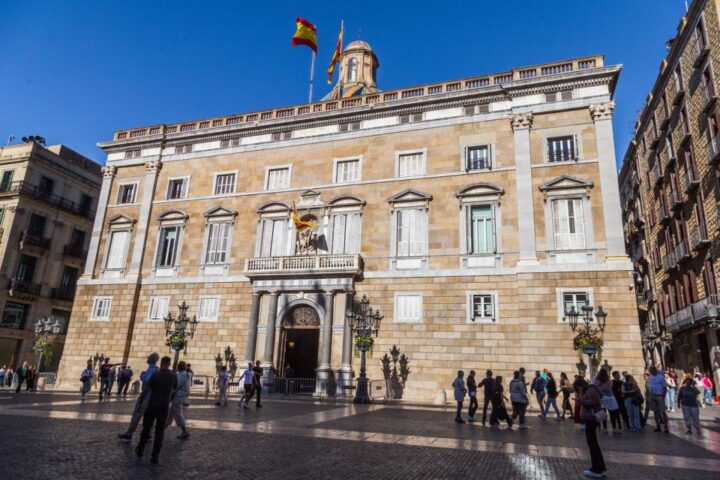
(312, 75)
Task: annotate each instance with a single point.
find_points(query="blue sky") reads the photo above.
(75, 71)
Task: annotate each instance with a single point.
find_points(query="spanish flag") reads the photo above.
(301, 225)
(336, 56)
(306, 34)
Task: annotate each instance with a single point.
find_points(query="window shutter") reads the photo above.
(490, 158)
(266, 238)
(417, 232)
(466, 159)
(401, 233)
(351, 233)
(276, 248)
(338, 236)
(576, 148)
(493, 221)
(579, 223)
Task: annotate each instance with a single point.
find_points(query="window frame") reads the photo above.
(401, 153)
(185, 188)
(464, 160)
(269, 169)
(153, 300)
(136, 187)
(396, 318)
(200, 316)
(470, 304)
(338, 161)
(560, 293)
(576, 154)
(108, 246)
(93, 312)
(234, 183)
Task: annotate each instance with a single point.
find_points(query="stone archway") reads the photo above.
(300, 340)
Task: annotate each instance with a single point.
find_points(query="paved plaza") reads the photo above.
(55, 435)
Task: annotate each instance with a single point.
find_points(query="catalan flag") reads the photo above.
(300, 225)
(306, 34)
(336, 56)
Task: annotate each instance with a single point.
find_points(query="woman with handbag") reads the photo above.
(565, 388)
(86, 377)
(593, 414)
(632, 399)
(610, 404)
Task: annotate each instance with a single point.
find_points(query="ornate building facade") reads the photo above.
(670, 196)
(472, 213)
(47, 204)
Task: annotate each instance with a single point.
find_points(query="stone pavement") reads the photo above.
(54, 435)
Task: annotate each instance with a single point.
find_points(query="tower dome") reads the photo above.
(358, 71)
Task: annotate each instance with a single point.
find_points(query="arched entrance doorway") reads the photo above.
(300, 341)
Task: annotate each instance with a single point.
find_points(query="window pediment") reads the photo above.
(121, 221)
(480, 191)
(346, 201)
(173, 216)
(566, 184)
(220, 213)
(410, 196)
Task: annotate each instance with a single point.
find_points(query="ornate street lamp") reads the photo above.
(588, 339)
(364, 324)
(46, 329)
(179, 330)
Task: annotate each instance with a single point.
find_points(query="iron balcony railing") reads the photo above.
(682, 252)
(27, 238)
(75, 251)
(656, 174)
(714, 149)
(63, 293)
(663, 213)
(20, 285)
(675, 199)
(82, 210)
(691, 180)
(17, 324)
(705, 310)
(669, 261)
(699, 237)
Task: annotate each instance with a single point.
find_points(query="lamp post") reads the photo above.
(45, 329)
(364, 324)
(586, 329)
(179, 330)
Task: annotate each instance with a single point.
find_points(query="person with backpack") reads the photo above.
(472, 395)
(687, 400)
(632, 399)
(538, 386)
(518, 399)
(552, 394)
(592, 414)
(86, 377)
(499, 412)
(459, 392)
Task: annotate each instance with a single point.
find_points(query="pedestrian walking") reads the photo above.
(538, 386)
(112, 377)
(566, 389)
(644, 410)
(177, 401)
(247, 377)
(459, 392)
(579, 385)
(671, 392)
(632, 399)
(86, 377)
(687, 400)
(551, 391)
(657, 388)
(124, 379)
(104, 375)
(22, 374)
(191, 375)
(3, 370)
(142, 401)
(617, 384)
(610, 404)
(592, 414)
(472, 395)
(31, 376)
(160, 385)
(499, 412)
(518, 399)
(487, 385)
(698, 384)
(222, 386)
(708, 385)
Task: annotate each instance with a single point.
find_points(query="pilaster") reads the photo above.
(253, 328)
(521, 124)
(152, 168)
(267, 363)
(322, 373)
(108, 173)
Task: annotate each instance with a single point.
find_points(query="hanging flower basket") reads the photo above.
(44, 348)
(588, 344)
(176, 342)
(364, 342)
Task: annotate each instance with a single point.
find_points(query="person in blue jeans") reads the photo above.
(552, 394)
(538, 386)
(631, 395)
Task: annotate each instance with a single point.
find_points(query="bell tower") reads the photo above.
(358, 70)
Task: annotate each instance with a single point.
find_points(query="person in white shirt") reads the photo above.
(247, 386)
(671, 391)
(177, 400)
(86, 378)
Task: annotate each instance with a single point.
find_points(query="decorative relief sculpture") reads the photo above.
(153, 166)
(302, 316)
(602, 111)
(522, 120)
(109, 171)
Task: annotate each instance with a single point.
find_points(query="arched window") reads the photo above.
(352, 70)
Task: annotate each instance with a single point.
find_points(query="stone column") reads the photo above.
(253, 328)
(521, 124)
(609, 190)
(322, 373)
(346, 371)
(108, 175)
(152, 168)
(267, 363)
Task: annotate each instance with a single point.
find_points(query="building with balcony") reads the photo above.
(472, 213)
(48, 197)
(670, 177)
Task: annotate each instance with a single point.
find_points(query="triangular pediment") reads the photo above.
(121, 220)
(220, 212)
(172, 215)
(480, 190)
(309, 199)
(566, 182)
(410, 195)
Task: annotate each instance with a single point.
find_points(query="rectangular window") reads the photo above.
(677, 75)
(347, 171)
(68, 281)
(63, 317)
(477, 158)
(46, 186)
(14, 315)
(217, 243)
(230, 142)
(158, 308)
(26, 269)
(411, 164)
(481, 226)
(409, 232)
(117, 249)
(224, 183)
(37, 225)
(568, 226)
(272, 237)
(6, 182)
(561, 149)
(101, 309)
(208, 309)
(134, 153)
(482, 307)
(177, 188)
(187, 148)
(278, 178)
(408, 307)
(126, 193)
(345, 235)
(85, 204)
(167, 248)
(576, 300)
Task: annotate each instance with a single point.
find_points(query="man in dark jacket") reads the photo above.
(161, 386)
(487, 385)
(472, 393)
(22, 373)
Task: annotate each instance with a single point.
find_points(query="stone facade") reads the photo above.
(47, 205)
(670, 199)
(452, 219)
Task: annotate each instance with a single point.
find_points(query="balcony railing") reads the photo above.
(656, 174)
(691, 180)
(18, 324)
(714, 149)
(55, 200)
(27, 238)
(75, 251)
(699, 237)
(705, 310)
(64, 293)
(669, 262)
(682, 252)
(22, 286)
(676, 201)
(304, 264)
(662, 212)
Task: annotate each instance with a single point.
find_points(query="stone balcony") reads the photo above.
(304, 265)
(705, 310)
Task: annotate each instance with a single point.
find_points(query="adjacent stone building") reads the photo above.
(48, 197)
(472, 213)
(669, 187)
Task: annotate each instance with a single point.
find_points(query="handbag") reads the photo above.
(609, 402)
(600, 415)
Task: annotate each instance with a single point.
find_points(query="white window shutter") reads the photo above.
(579, 223)
(338, 236)
(493, 221)
(576, 147)
(417, 232)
